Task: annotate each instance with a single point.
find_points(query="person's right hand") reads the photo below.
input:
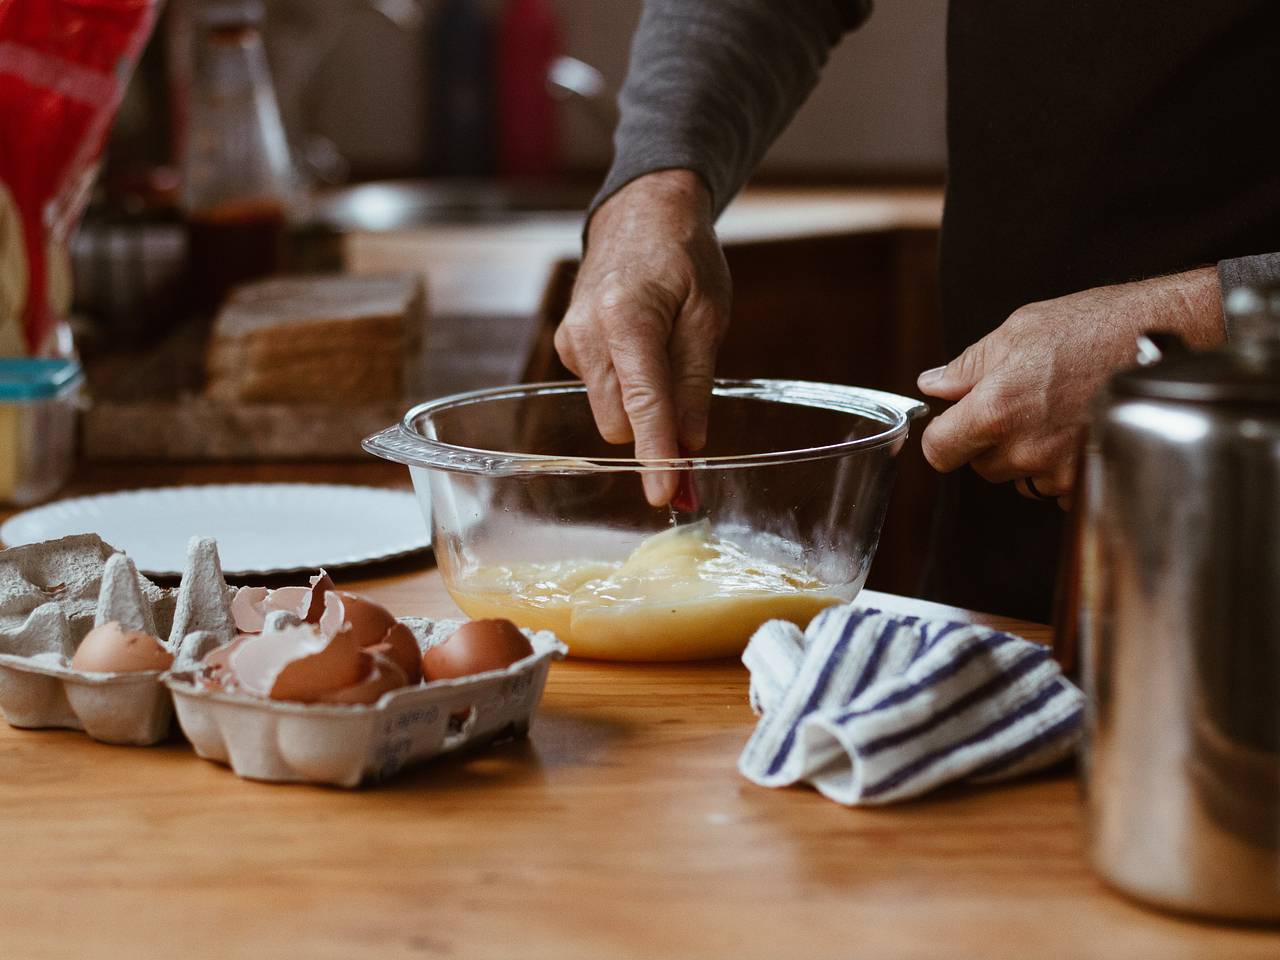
(649, 310)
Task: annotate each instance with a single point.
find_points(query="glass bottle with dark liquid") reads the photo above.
(230, 244)
(237, 174)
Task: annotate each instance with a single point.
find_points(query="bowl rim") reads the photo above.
(404, 443)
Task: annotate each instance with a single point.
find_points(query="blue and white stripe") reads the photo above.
(871, 708)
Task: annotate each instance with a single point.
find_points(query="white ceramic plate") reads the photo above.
(261, 528)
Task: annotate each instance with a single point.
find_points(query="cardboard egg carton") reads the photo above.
(348, 744)
(53, 593)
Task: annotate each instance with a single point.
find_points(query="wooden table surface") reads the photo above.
(621, 828)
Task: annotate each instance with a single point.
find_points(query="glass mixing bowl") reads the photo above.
(535, 518)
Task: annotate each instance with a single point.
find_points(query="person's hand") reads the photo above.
(648, 312)
(1022, 392)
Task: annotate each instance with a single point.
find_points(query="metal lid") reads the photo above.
(24, 379)
(1245, 370)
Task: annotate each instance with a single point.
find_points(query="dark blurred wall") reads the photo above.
(878, 111)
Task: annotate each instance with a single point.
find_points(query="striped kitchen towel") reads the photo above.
(871, 708)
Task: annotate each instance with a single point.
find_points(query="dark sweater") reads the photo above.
(1090, 142)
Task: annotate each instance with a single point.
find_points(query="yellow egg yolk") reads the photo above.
(684, 594)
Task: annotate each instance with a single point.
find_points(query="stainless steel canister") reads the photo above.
(1180, 619)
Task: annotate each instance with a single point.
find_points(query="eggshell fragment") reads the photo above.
(321, 603)
(399, 646)
(247, 608)
(297, 663)
(333, 619)
(295, 600)
(367, 621)
(321, 586)
(381, 676)
(300, 661)
(475, 647)
(215, 668)
(110, 648)
(278, 620)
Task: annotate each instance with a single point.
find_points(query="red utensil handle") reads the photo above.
(686, 499)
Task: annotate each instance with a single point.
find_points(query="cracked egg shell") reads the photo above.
(297, 663)
(381, 676)
(109, 648)
(367, 622)
(295, 600)
(247, 608)
(400, 647)
(321, 586)
(215, 668)
(251, 606)
(475, 647)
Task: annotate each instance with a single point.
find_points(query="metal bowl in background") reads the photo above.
(405, 204)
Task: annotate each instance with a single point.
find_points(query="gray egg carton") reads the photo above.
(126, 708)
(348, 744)
(52, 594)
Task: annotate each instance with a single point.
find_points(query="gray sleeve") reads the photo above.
(712, 82)
(1260, 272)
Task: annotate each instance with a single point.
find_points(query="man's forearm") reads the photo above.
(1259, 272)
(713, 82)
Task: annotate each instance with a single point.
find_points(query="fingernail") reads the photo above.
(659, 488)
(930, 376)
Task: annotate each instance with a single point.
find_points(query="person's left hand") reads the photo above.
(1022, 392)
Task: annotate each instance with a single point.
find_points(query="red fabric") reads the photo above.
(63, 66)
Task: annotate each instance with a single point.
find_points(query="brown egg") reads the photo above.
(297, 663)
(366, 621)
(381, 675)
(110, 648)
(475, 647)
(400, 647)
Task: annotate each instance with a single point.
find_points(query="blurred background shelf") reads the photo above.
(846, 269)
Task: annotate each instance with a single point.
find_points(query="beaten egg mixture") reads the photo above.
(683, 594)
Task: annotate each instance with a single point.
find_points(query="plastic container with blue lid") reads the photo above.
(39, 399)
